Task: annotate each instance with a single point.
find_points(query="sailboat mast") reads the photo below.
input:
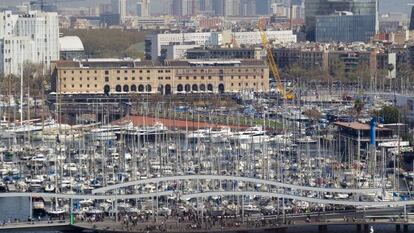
(21, 91)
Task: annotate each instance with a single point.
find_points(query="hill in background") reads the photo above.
(115, 43)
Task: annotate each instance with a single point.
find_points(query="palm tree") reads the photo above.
(390, 68)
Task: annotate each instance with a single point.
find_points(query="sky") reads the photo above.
(385, 5)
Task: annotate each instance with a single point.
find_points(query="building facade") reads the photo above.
(119, 7)
(225, 53)
(314, 8)
(113, 76)
(345, 28)
(153, 42)
(31, 37)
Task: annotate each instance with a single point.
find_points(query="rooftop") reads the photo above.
(70, 43)
(129, 63)
(358, 126)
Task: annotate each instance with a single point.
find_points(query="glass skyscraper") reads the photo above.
(315, 8)
(344, 28)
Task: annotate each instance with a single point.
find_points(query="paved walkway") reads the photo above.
(234, 225)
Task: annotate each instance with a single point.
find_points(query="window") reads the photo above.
(118, 88)
(133, 78)
(133, 71)
(126, 71)
(96, 85)
(87, 78)
(106, 72)
(140, 78)
(118, 71)
(180, 88)
(141, 88)
(148, 78)
(126, 78)
(80, 85)
(179, 77)
(87, 86)
(195, 77)
(80, 78)
(187, 88)
(209, 77)
(106, 79)
(148, 71)
(96, 78)
(118, 78)
(87, 72)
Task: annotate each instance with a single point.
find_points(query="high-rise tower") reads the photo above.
(315, 8)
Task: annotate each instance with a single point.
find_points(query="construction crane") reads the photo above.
(272, 64)
(42, 3)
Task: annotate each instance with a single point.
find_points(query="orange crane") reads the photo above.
(287, 95)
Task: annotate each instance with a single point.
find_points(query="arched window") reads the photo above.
(202, 87)
(141, 88)
(161, 89)
(187, 88)
(179, 88)
(133, 88)
(195, 87)
(168, 89)
(221, 88)
(126, 88)
(107, 89)
(210, 87)
(148, 88)
(118, 88)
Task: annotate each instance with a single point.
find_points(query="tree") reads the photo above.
(358, 106)
(337, 69)
(390, 114)
(313, 114)
(405, 76)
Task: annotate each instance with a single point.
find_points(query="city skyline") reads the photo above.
(385, 6)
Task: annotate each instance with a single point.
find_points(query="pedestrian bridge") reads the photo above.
(101, 193)
(234, 178)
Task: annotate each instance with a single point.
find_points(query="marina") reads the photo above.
(185, 162)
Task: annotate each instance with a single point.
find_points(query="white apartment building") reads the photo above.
(254, 38)
(176, 51)
(31, 37)
(154, 42)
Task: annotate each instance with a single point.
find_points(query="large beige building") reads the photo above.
(114, 76)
